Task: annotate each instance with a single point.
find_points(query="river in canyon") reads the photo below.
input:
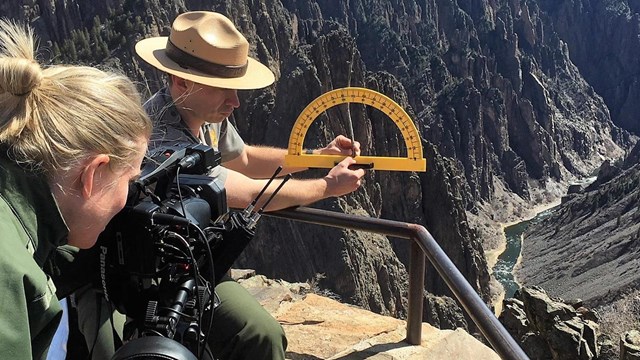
(503, 270)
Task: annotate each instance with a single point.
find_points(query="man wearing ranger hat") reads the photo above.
(206, 60)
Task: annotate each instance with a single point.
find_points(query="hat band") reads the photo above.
(189, 61)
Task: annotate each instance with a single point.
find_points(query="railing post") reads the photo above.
(417, 263)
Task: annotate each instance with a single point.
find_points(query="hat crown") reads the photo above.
(211, 37)
(206, 48)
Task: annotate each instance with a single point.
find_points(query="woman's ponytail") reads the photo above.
(20, 75)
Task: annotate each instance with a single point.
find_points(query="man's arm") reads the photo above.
(340, 180)
(260, 162)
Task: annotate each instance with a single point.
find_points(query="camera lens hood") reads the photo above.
(152, 348)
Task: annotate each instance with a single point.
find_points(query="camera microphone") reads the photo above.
(256, 216)
(239, 229)
(246, 213)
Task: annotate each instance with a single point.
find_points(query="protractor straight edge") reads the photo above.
(413, 162)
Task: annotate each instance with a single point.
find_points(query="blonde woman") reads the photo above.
(71, 140)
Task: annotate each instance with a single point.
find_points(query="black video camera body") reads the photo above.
(155, 256)
(159, 258)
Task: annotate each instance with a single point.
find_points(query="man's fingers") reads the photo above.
(345, 178)
(347, 147)
(343, 142)
(346, 162)
(356, 148)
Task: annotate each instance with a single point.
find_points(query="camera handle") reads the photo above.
(165, 321)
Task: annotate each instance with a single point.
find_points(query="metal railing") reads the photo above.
(423, 244)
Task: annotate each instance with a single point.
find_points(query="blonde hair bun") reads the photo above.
(19, 76)
(53, 117)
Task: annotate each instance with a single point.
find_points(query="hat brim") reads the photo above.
(152, 50)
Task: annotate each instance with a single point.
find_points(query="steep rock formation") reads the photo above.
(605, 50)
(549, 328)
(588, 248)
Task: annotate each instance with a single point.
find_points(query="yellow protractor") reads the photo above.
(414, 161)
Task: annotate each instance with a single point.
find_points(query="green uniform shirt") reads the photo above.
(31, 228)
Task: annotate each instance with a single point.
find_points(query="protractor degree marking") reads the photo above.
(367, 97)
(370, 98)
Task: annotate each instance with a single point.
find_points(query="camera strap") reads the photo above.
(100, 336)
(117, 341)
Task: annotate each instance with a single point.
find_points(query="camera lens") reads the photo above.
(152, 348)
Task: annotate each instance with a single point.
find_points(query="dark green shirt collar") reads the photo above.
(32, 202)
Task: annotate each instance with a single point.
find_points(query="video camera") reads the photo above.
(162, 255)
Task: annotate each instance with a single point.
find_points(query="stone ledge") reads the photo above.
(321, 328)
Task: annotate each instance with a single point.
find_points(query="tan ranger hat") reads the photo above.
(205, 47)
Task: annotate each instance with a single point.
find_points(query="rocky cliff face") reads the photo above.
(549, 328)
(489, 84)
(589, 247)
(606, 50)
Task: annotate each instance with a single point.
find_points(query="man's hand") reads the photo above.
(343, 180)
(341, 145)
